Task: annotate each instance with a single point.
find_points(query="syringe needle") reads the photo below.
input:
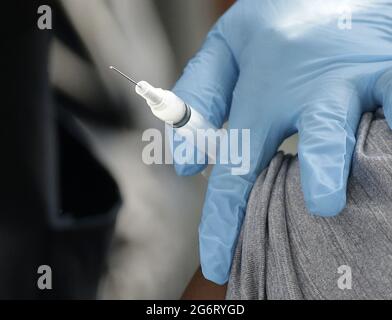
(124, 75)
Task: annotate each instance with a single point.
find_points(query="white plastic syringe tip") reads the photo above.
(148, 92)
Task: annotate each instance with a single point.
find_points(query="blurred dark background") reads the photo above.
(74, 193)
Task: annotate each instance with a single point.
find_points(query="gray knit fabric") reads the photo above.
(285, 253)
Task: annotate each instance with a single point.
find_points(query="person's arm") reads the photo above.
(199, 288)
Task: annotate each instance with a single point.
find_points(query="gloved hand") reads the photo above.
(278, 67)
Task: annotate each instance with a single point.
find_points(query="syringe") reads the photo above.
(168, 107)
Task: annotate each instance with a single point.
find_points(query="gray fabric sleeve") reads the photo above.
(284, 252)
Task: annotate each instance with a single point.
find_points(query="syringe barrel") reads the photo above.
(164, 104)
(168, 107)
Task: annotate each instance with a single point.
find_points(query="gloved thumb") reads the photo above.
(207, 86)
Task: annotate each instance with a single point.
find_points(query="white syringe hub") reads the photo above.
(164, 104)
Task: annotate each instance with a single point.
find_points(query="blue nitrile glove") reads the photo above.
(277, 67)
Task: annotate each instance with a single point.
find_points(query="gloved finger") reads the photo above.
(228, 190)
(222, 218)
(207, 83)
(187, 159)
(224, 211)
(326, 145)
(383, 94)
